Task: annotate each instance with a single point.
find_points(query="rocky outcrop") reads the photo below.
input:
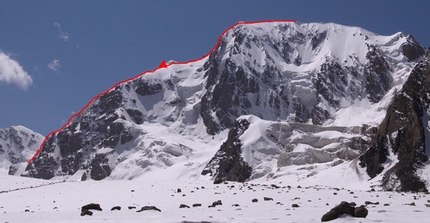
(411, 49)
(231, 81)
(403, 135)
(228, 163)
(376, 74)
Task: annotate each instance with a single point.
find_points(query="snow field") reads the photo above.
(61, 202)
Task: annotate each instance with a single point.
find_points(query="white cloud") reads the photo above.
(12, 73)
(65, 36)
(54, 65)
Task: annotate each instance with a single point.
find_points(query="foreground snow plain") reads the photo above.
(61, 200)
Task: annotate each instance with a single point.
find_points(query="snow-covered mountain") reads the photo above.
(271, 95)
(17, 145)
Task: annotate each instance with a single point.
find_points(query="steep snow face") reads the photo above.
(17, 145)
(301, 75)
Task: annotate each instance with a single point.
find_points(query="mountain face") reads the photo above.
(311, 93)
(17, 145)
(400, 147)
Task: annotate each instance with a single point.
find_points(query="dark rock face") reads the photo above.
(77, 148)
(231, 81)
(378, 80)
(331, 79)
(412, 50)
(403, 133)
(318, 39)
(100, 167)
(96, 127)
(228, 163)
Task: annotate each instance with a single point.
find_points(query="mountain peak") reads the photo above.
(312, 76)
(17, 145)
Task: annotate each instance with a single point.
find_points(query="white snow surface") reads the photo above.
(33, 200)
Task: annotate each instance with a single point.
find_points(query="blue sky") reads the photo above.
(55, 56)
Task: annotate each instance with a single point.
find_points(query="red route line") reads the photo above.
(162, 65)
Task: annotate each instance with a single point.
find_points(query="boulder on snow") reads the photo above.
(184, 206)
(215, 203)
(147, 208)
(361, 212)
(268, 199)
(86, 212)
(91, 206)
(329, 216)
(345, 208)
(116, 208)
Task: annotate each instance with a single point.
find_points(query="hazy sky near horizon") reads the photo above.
(55, 56)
